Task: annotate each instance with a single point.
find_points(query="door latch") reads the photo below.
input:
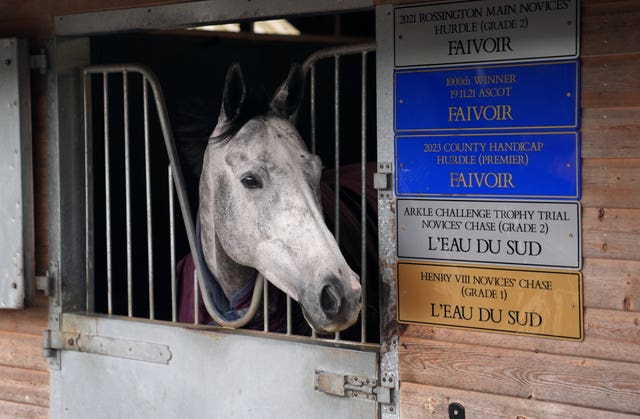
(352, 386)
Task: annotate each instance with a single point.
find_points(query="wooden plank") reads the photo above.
(422, 401)
(24, 386)
(611, 28)
(612, 284)
(21, 410)
(609, 334)
(611, 81)
(581, 381)
(22, 351)
(614, 183)
(32, 320)
(611, 133)
(611, 233)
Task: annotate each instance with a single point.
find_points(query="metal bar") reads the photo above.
(313, 108)
(107, 185)
(196, 312)
(127, 185)
(182, 194)
(336, 51)
(88, 195)
(363, 201)
(147, 178)
(172, 244)
(289, 320)
(336, 108)
(265, 306)
(195, 13)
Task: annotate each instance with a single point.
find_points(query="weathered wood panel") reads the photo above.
(611, 284)
(611, 233)
(22, 351)
(612, 183)
(611, 81)
(24, 386)
(611, 133)
(24, 376)
(421, 401)
(610, 27)
(21, 410)
(609, 334)
(31, 321)
(581, 381)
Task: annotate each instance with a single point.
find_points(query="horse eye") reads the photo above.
(251, 181)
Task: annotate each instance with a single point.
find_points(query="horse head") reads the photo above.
(260, 207)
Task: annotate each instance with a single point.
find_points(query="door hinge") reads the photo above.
(44, 284)
(382, 177)
(39, 62)
(53, 341)
(352, 386)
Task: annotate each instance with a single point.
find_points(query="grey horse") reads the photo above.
(260, 209)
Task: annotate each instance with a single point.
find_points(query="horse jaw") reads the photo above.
(328, 291)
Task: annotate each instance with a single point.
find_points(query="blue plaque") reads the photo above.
(543, 165)
(519, 96)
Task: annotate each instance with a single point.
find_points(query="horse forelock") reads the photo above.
(255, 106)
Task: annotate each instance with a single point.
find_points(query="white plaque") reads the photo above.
(463, 32)
(544, 234)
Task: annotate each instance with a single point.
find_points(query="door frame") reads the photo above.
(70, 50)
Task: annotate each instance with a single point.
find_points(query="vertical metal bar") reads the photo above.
(88, 195)
(336, 109)
(313, 126)
(265, 305)
(363, 201)
(107, 185)
(313, 108)
(172, 245)
(147, 176)
(127, 186)
(196, 312)
(289, 321)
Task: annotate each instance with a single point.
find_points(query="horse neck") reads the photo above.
(231, 276)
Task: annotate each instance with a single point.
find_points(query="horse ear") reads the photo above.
(233, 95)
(289, 95)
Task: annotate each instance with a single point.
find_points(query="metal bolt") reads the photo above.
(7, 62)
(14, 285)
(70, 342)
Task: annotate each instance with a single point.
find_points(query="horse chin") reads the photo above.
(327, 325)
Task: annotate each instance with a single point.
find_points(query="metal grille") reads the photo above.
(135, 84)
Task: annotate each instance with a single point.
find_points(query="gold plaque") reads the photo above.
(522, 301)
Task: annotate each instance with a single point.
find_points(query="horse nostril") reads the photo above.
(330, 299)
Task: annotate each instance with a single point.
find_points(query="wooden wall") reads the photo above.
(24, 376)
(495, 375)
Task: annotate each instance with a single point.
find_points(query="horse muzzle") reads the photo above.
(334, 305)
